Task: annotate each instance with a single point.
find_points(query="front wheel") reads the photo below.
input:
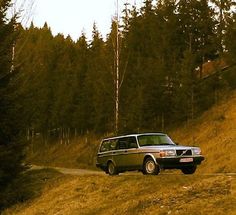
(111, 169)
(150, 167)
(189, 170)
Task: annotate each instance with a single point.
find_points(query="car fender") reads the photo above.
(150, 155)
(111, 160)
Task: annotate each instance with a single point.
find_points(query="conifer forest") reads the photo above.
(176, 59)
(165, 79)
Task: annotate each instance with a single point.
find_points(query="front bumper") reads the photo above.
(174, 163)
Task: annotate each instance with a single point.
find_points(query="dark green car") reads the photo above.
(148, 153)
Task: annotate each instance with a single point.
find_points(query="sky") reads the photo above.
(73, 16)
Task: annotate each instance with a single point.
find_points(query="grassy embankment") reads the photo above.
(214, 132)
(80, 153)
(134, 194)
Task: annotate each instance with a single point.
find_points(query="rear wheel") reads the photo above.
(111, 169)
(150, 167)
(189, 170)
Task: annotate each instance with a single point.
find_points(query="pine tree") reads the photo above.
(230, 41)
(230, 55)
(223, 11)
(81, 97)
(11, 148)
(161, 48)
(99, 85)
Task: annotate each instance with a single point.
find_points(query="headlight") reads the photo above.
(167, 153)
(197, 151)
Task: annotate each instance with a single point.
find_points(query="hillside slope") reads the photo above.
(214, 132)
(134, 194)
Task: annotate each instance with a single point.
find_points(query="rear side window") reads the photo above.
(132, 143)
(108, 145)
(127, 143)
(122, 144)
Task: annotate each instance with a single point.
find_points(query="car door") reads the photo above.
(133, 155)
(120, 153)
(126, 155)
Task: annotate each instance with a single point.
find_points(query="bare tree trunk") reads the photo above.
(117, 81)
(192, 103)
(75, 132)
(68, 137)
(63, 134)
(27, 134)
(221, 25)
(61, 141)
(162, 122)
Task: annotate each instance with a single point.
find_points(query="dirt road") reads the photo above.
(68, 171)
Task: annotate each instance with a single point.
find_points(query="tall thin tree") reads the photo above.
(117, 79)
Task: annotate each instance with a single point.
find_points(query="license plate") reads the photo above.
(186, 160)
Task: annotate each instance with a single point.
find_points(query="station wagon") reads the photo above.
(146, 152)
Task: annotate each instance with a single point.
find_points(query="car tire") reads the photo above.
(189, 170)
(150, 167)
(111, 169)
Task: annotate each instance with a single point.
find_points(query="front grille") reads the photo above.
(183, 152)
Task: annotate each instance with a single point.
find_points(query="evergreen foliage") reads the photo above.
(11, 146)
(61, 88)
(68, 87)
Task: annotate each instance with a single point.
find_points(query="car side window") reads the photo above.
(113, 144)
(127, 143)
(122, 144)
(104, 146)
(132, 143)
(108, 145)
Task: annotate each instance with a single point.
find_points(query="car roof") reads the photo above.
(132, 135)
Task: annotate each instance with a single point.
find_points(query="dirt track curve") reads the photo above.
(68, 171)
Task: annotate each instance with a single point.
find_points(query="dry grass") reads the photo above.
(80, 153)
(214, 132)
(134, 194)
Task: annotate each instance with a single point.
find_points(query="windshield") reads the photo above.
(154, 140)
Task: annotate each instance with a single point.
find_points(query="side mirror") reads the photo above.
(177, 144)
